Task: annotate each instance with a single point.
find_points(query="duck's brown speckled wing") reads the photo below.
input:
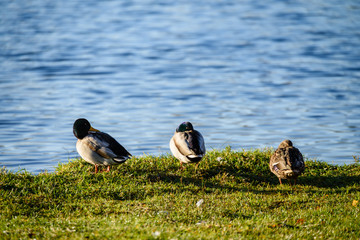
(295, 159)
(278, 161)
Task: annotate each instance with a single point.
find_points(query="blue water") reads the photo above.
(246, 73)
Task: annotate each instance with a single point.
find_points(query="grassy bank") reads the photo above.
(148, 198)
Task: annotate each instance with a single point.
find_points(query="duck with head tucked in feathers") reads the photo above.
(98, 148)
(187, 144)
(287, 162)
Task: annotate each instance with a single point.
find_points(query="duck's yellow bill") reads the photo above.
(93, 129)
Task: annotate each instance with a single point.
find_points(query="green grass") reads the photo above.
(148, 198)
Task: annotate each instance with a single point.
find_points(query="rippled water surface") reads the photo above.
(246, 73)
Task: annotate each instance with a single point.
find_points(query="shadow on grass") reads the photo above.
(207, 179)
(330, 181)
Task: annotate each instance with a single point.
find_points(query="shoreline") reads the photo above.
(232, 195)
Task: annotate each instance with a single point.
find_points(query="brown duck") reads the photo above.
(287, 162)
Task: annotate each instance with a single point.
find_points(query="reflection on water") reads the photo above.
(245, 74)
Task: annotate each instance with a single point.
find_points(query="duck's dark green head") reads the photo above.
(82, 127)
(185, 126)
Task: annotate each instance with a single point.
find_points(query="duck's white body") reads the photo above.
(188, 146)
(98, 148)
(95, 150)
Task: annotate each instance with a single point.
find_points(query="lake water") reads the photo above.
(246, 73)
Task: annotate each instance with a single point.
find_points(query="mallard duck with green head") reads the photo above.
(187, 144)
(98, 148)
(287, 162)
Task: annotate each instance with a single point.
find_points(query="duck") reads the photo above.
(187, 144)
(287, 162)
(96, 147)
